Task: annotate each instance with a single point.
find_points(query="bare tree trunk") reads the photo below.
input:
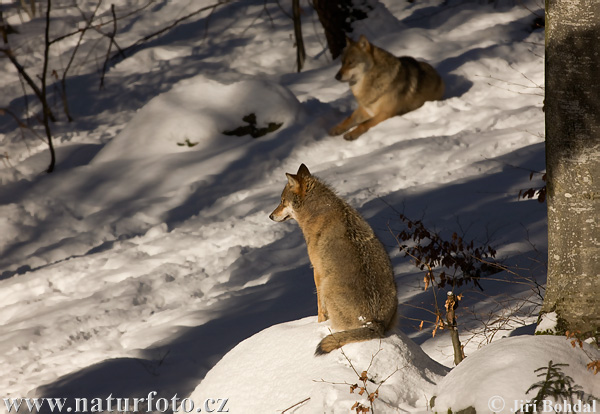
(572, 108)
(333, 20)
(300, 52)
(336, 17)
(45, 107)
(451, 305)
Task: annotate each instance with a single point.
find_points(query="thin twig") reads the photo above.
(283, 10)
(72, 58)
(374, 355)
(101, 24)
(111, 38)
(265, 8)
(172, 25)
(207, 23)
(295, 405)
(26, 102)
(10, 55)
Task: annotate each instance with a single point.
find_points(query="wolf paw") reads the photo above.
(337, 130)
(352, 135)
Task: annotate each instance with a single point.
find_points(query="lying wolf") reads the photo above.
(384, 86)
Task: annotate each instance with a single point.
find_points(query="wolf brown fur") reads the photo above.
(353, 275)
(384, 86)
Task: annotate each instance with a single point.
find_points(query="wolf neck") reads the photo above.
(385, 67)
(319, 202)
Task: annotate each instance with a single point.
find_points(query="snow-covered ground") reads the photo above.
(143, 260)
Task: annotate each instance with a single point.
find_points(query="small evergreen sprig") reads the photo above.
(556, 384)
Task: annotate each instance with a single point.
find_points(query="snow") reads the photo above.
(547, 323)
(199, 109)
(140, 263)
(278, 366)
(501, 373)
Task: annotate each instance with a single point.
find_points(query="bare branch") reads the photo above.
(38, 92)
(72, 58)
(295, 405)
(172, 25)
(111, 38)
(101, 24)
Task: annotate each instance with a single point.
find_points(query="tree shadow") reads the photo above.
(465, 207)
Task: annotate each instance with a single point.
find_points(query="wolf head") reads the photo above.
(292, 195)
(357, 59)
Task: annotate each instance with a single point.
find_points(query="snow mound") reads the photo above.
(194, 114)
(500, 373)
(276, 368)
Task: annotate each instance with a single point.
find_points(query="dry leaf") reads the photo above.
(594, 366)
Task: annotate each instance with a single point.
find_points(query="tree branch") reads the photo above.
(111, 38)
(98, 25)
(172, 25)
(9, 54)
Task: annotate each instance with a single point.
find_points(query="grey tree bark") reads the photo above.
(334, 20)
(336, 17)
(572, 112)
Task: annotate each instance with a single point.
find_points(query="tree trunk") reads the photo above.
(572, 108)
(45, 106)
(333, 21)
(451, 305)
(300, 53)
(336, 17)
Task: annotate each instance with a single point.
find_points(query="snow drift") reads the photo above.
(195, 112)
(501, 373)
(276, 368)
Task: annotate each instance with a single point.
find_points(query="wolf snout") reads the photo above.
(338, 76)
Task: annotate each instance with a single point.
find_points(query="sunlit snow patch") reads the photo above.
(497, 377)
(195, 112)
(276, 368)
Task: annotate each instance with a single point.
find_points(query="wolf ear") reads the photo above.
(303, 171)
(296, 181)
(349, 41)
(293, 182)
(363, 43)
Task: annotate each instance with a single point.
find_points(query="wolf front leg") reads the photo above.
(358, 116)
(321, 310)
(366, 125)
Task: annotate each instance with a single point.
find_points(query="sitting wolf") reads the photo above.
(353, 275)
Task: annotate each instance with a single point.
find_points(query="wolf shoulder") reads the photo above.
(422, 77)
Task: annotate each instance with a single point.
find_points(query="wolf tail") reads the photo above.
(338, 339)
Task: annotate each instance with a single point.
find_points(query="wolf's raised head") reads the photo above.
(356, 60)
(292, 195)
